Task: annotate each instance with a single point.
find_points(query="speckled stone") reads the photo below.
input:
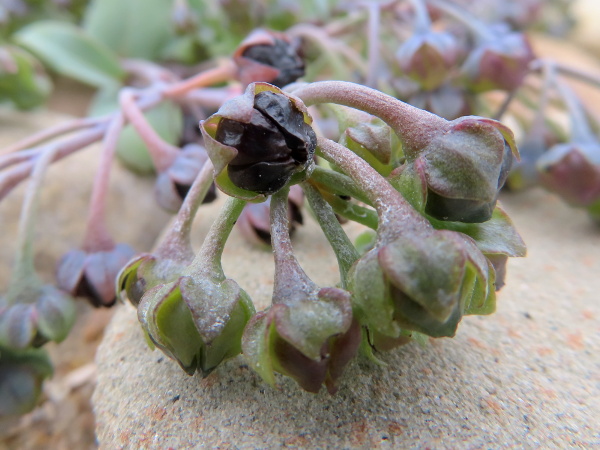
(526, 377)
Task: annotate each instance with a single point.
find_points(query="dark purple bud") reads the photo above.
(93, 274)
(572, 171)
(263, 138)
(173, 184)
(428, 57)
(268, 56)
(501, 63)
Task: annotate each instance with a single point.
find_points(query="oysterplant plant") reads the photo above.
(373, 114)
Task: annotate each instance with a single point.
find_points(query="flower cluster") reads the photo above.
(427, 186)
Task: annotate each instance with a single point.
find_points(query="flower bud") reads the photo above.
(572, 171)
(197, 321)
(270, 57)
(427, 58)
(499, 63)
(146, 271)
(21, 376)
(34, 316)
(422, 283)
(464, 169)
(173, 184)
(93, 274)
(309, 339)
(262, 138)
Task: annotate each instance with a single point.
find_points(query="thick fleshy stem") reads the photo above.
(162, 153)
(24, 275)
(395, 213)
(176, 243)
(415, 127)
(344, 251)
(208, 259)
(291, 282)
(225, 71)
(97, 237)
(480, 29)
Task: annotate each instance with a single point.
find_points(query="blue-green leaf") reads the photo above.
(70, 52)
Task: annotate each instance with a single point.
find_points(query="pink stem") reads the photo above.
(162, 153)
(13, 177)
(176, 244)
(52, 132)
(97, 237)
(225, 72)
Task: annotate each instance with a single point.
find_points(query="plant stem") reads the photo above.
(337, 183)
(176, 244)
(11, 178)
(422, 23)
(373, 25)
(24, 276)
(480, 29)
(344, 251)
(162, 153)
(225, 71)
(52, 132)
(415, 127)
(349, 210)
(580, 127)
(208, 259)
(291, 282)
(394, 212)
(97, 237)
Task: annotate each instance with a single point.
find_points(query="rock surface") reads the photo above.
(527, 376)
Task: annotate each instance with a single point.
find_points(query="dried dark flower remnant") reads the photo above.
(262, 139)
(269, 56)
